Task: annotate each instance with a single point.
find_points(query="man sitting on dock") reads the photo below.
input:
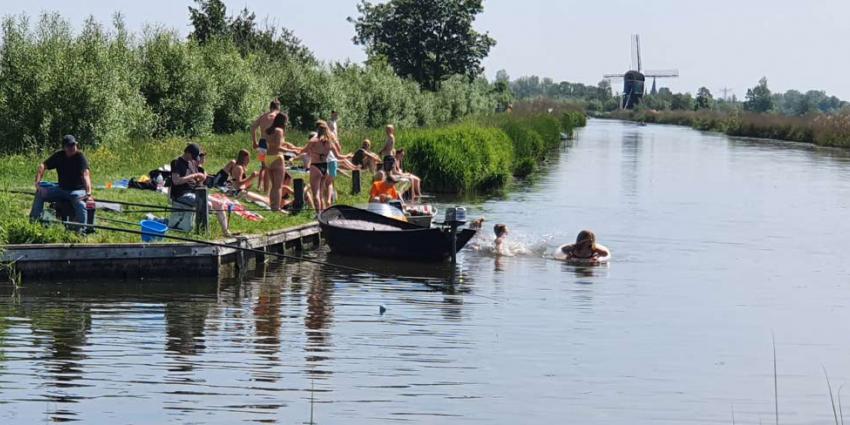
(74, 181)
(185, 177)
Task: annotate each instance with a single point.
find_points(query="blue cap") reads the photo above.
(69, 140)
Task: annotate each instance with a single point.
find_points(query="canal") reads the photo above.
(720, 247)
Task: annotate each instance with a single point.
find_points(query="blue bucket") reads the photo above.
(152, 231)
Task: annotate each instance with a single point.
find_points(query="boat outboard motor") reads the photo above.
(455, 217)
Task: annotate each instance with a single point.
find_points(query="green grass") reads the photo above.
(477, 155)
(134, 159)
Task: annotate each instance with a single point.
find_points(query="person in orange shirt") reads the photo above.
(383, 188)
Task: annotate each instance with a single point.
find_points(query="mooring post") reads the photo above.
(454, 242)
(202, 218)
(298, 202)
(355, 182)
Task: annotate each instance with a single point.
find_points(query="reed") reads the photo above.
(820, 129)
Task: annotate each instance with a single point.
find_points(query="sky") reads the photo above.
(717, 44)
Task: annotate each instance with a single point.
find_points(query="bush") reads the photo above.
(52, 83)
(460, 158)
(240, 94)
(176, 85)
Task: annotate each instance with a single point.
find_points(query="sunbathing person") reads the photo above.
(364, 158)
(415, 181)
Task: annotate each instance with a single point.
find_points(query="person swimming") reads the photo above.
(585, 249)
(500, 245)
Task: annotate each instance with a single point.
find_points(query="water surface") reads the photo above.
(719, 246)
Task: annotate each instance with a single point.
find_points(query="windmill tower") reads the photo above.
(634, 80)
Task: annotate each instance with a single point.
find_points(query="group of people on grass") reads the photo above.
(321, 156)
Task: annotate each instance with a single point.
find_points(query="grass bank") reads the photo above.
(479, 154)
(821, 129)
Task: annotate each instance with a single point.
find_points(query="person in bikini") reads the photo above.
(274, 160)
(263, 122)
(318, 149)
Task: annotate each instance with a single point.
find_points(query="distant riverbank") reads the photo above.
(821, 129)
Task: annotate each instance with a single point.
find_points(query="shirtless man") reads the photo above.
(318, 149)
(389, 147)
(263, 122)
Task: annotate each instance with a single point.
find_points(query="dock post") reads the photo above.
(454, 243)
(355, 182)
(202, 217)
(298, 202)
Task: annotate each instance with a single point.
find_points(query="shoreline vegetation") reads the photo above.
(828, 130)
(135, 100)
(476, 155)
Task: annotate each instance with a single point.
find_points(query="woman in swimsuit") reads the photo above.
(318, 149)
(585, 248)
(236, 170)
(274, 158)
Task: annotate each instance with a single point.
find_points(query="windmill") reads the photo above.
(635, 79)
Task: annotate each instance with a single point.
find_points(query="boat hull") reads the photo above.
(390, 239)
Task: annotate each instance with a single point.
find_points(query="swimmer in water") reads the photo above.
(500, 246)
(585, 249)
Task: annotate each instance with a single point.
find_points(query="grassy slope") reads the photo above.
(136, 159)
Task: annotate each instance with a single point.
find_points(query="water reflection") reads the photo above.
(630, 149)
(318, 321)
(677, 328)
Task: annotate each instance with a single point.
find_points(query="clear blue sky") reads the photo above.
(721, 43)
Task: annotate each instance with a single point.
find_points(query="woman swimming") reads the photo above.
(584, 250)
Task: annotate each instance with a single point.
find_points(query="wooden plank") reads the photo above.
(56, 261)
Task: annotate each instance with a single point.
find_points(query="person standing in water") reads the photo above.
(262, 123)
(500, 245)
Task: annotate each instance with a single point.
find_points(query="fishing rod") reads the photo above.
(158, 208)
(124, 203)
(251, 250)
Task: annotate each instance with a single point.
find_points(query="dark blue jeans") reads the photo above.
(55, 194)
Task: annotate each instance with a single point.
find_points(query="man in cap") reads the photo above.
(74, 181)
(185, 175)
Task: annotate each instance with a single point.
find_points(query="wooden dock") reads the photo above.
(138, 260)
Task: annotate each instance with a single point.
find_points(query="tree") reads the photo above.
(209, 20)
(682, 102)
(704, 98)
(604, 90)
(759, 98)
(426, 40)
(502, 75)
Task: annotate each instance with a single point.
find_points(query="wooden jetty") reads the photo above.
(163, 259)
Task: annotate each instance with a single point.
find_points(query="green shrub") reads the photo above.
(176, 85)
(240, 94)
(459, 158)
(52, 83)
